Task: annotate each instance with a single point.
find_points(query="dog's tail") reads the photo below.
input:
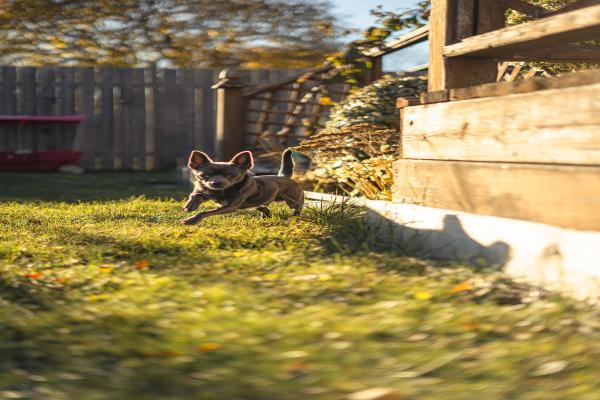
(287, 164)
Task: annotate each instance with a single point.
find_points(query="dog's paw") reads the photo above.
(191, 221)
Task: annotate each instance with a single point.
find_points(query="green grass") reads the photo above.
(104, 295)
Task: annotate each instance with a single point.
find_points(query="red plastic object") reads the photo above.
(49, 160)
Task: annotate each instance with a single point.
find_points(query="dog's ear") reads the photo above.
(198, 159)
(243, 159)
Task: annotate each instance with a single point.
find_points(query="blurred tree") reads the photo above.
(185, 33)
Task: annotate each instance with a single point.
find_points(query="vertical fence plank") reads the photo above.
(8, 105)
(117, 148)
(27, 106)
(66, 105)
(151, 119)
(165, 136)
(204, 81)
(106, 119)
(85, 136)
(126, 117)
(138, 120)
(46, 106)
(188, 113)
(179, 126)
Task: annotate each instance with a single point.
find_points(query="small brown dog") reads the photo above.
(234, 187)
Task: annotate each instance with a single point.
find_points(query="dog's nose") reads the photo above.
(216, 184)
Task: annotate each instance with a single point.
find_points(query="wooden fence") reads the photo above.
(140, 119)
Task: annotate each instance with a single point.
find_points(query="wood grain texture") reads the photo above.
(557, 126)
(138, 120)
(564, 53)
(46, 106)
(106, 122)
(565, 196)
(66, 104)
(87, 131)
(8, 106)
(568, 27)
(451, 21)
(573, 79)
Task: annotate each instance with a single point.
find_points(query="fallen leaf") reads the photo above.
(208, 347)
(107, 268)
(142, 264)
(461, 287)
(299, 366)
(33, 275)
(550, 368)
(377, 394)
(423, 295)
(295, 354)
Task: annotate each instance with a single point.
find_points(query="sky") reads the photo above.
(355, 13)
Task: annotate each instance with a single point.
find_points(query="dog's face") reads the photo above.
(220, 175)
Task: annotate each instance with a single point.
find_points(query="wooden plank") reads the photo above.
(409, 39)
(267, 99)
(106, 119)
(435, 97)
(565, 196)
(288, 79)
(188, 116)
(87, 130)
(8, 106)
(569, 27)
(27, 139)
(205, 79)
(117, 148)
(573, 79)
(126, 118)
(138, 120)
(565, 53)
(151, 118)
(66, 105)
(46, 106)
(165, 139)
(450, 21)
(402, 102)
(551, 126)
(490, 16)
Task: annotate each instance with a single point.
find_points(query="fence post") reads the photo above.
(230, 114)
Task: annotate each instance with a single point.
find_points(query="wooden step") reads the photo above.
(565, 196)
(547, 126)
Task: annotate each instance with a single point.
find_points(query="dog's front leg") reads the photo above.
(234, 205)
(194, 201)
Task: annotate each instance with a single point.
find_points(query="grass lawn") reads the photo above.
(104, 295)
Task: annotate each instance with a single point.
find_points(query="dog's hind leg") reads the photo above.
(295, 201)
(265, 211)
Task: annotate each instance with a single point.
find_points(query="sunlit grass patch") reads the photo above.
(111, 298)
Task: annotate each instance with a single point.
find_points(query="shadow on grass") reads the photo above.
(350, 231)
(94, 186)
